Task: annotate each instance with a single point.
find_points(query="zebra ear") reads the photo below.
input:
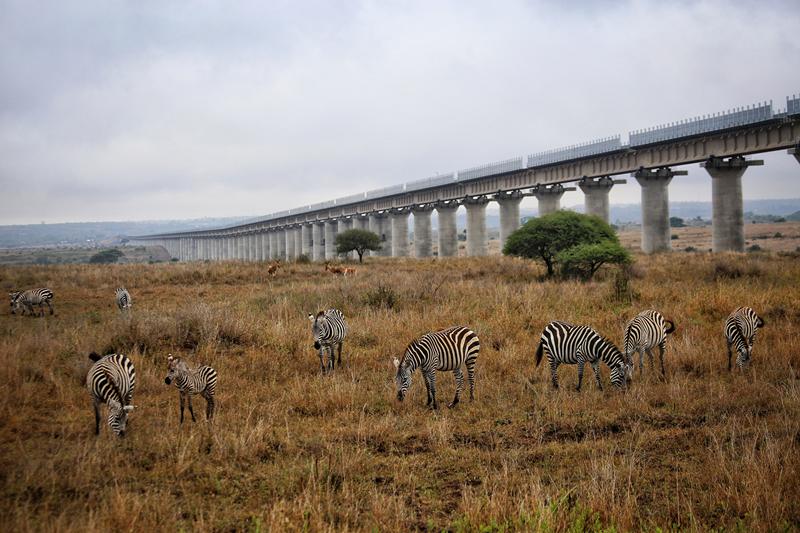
(311, 317)
(128, 408)
(396, 362)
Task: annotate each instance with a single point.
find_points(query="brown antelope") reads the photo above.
(348, 271)
(273, 269)
(335, 270)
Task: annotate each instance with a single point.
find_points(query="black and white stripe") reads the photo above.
(123, 298)
(445, 350)
(740, 333)
(202, 381)
(111, 380)
(329, 330)
(25, 300)
(568, 344)
(644, 332)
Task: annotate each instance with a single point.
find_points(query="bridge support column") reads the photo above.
(360, 222)
(297, 233)
(264, 237)
(727, 205)
(289, 238)
(306, 236)
(448, 232)
(378, 225)
(281, 244)
(596, 191)
(795, 152)
(399, 232)
(476, 225)
(509, 214)
(655, 207)
(330, 239)
(423, 237)
(317, 245)
(255, 244)
(250, 247)
(549, 197)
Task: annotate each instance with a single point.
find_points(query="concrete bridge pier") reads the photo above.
(399, 232)
(509, 213)
(795, 152)
(273, 244)
(448, 232)
(252, 252)
(281, 244)
(378, 225)
(317, 244)
(596, 195)
(423, 236)
(476, 225)
(289, 237)
(265, 245)
(727, 205)
(330, 239)
(655, 207)
(297, 233)
(306, 243)
(549, 197)
(360, 222)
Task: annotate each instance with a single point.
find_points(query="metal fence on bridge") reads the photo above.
(548, 157)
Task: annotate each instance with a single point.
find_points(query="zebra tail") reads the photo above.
(539, 352)
(670, 326)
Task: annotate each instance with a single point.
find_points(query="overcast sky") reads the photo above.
(157, 110)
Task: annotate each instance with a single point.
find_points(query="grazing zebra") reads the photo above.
(27, 299)
(124, 301)
(740, 332)
(644, 332)
(568, 344)
(329, 329)
(444, 350)
(202, 381)
(111, 380)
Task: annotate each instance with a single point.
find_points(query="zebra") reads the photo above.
(23, 301)
(445, 350)
(645, 331)
(123, 298)
(569, 344)
(740, 332)
(202, 381)
(111, 380)
(329, 329)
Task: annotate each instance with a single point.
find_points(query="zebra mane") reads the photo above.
(94, 356)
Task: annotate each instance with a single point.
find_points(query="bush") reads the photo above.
(754, 248)
(674, 237)
(690, 249)
(303, 259)
(106, 256)
(584, 260)
(382, 297)
(546, 237)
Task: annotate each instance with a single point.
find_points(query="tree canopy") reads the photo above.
(106, 256)
(583, 260)
(545, 237)
(358, 240)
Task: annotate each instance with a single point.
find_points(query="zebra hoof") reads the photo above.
(451, 405)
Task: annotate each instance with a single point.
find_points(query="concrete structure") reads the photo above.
(509, 213)
(737, 133)
(306, 236)
(318, 244)
(423, 236)
(399, 218)
(298, 241)
(330, 239)
(795, 152)
(596, 195)
(379, 224)
(655, 208)
(289, 239)
(476, 225)
(727, 204)
(448, 232)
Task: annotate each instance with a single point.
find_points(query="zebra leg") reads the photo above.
(596, 368)
(471, 379)
(641, 362)
(426, 379)
(340, 353)
(661, 350)
(580, 374)
(50, 306)
(322, 359)
(459, 375)
(432, 380)
(730, 354)
(96, 418)
(191, 411)
(209, 405)
(554, 373)
(183, 403)
(331, 359)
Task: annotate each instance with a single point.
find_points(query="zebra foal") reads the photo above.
(644, 332)
(329, 330)
(202, 381)
(445, 350)
(25, 300)
(123, 299)
(568, 344)
(111, 380)
(740, 332)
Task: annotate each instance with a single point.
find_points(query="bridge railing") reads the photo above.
(719, 121)
(607, 144)
(433, 181)
(490, 169)
(793, 105)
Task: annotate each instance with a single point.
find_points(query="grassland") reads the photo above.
(293, 450)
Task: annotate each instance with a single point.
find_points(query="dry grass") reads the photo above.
(291, 449)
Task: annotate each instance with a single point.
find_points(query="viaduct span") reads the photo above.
(719, 142)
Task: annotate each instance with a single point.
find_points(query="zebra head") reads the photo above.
(176, 368)
(14, 300)
(118, 417)
(402, 378)
(317, 322)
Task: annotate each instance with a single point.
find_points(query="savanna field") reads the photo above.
(291, 449)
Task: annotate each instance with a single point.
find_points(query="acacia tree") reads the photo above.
(583, 260)
(545, 237)
(358, 240)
